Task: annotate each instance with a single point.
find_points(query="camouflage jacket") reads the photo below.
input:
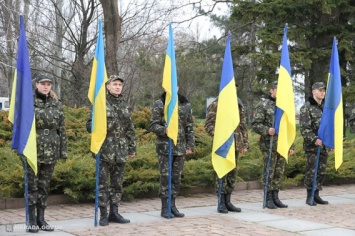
(186, 138)
(310, 116)
(352, 121)
(50, 128)
(263, 119)
(120, 139)
(240, 133)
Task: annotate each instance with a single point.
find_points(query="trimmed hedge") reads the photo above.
(76, 175)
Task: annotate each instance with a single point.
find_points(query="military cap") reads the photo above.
(318, 85)
(273, 85)
(115, 77)
(43, 78)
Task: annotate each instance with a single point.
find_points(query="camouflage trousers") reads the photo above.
(276, 170)
(110, 191)
(229, 180)
(38, 186)
(310, 167)
(177, 168)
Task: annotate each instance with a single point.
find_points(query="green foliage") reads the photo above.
(76, 175)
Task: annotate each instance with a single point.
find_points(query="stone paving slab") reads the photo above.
(201, 218)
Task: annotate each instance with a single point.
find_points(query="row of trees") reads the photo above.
(62, 36)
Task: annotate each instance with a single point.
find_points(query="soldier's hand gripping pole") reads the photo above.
(267, 170)
(315, 175)
(97, 173)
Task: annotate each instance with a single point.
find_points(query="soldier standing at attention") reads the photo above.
(263, 124)
(241, 146)
(185, 146)
(119, 145)
(51, 145)
(310, 116)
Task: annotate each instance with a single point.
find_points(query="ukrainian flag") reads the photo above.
(97, 96)
(170, 87)
(227, 118)
(22, 114)
(331, 126)
(285, 116)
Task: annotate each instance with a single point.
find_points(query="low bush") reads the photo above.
(76, 175)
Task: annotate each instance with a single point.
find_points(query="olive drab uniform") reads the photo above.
(241, 142)
(263, 120)
(120, 142)
(51, 145)
(352, 121)
(185, 141)
(310, 117)
(240, 137)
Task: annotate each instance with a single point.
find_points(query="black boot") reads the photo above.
(222, 204)
(32, 224)
(42, 224)
(174, 210)
(309, 198)
(269, 202)
(318, 199)
(164, 208)
(275, 198)
(229, 205)
(103, 217)
(115, 217)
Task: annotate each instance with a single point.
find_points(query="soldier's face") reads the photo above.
(115, 87)
(273, 92)
(319, 94)
(44, 87)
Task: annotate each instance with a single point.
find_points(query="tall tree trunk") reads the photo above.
(251, 75)
(58, 47)
(112, 29)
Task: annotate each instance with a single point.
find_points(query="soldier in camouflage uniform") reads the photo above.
(51, 145)
(263, 124)
(310, 116)
(241, 146)
(185, 146)
(119, 145)
(352, 121)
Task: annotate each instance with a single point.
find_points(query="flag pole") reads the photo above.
(267, 171)
(315, 175)
(26, 191)
(97, 186)
(169, 178)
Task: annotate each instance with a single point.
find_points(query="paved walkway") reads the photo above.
(201, 218)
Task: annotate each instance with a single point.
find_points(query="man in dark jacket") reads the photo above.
(119, 145)
(185, 146)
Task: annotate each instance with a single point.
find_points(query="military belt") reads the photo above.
(46, 131)
(115, 135)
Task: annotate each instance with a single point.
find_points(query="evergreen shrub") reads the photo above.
(76, 175)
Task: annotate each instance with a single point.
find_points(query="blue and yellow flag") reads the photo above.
(170, 86)
(97, 95)
(22, 114)
(285, 116)
(227, 118)
(331, 126)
